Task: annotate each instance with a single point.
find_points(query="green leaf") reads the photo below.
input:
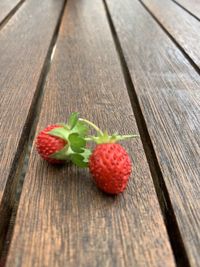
(60, 132)
(73, 119)
(77, 143)
(62, 154)
(86, 154)
(78, 160)
(81, 128)
(81, 160)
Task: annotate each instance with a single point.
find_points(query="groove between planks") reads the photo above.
(180, 25)
(191, 6)
(8, 9)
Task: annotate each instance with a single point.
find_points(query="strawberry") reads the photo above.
(47, 144)
(109, 163)
(110, 167)
(58, 143)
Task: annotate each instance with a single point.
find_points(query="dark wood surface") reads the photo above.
(23, 49)
(193, 6)
(184, 28)
(7, 7)
(111, 58)
(168, 90)
(63, 219)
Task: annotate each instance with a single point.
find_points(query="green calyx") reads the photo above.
(104, 137)
(108, 139)
(75, 133)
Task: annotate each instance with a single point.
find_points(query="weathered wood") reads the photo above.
(7, 7)
(183, 27)
(193, 6)
(167, 88)
(63, 219)
(24, 45)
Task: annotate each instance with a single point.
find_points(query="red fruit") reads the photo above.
(47, 144)
(110, 166)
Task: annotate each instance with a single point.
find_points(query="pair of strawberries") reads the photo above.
(109, 163)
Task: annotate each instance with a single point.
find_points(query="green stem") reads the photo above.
(130, 136)
(92, 125)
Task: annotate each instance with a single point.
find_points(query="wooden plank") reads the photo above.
(7, 7)
(23, 50)
(63, 219)
(193, 6)
(183, 27)
(167, 88)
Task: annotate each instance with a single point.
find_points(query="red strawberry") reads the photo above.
(110, 167)
(109, 163)
(64, 142)
(47, 144)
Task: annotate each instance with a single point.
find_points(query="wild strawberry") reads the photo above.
(110, 167)
(109, 163)
(47, 144)
(60, 142)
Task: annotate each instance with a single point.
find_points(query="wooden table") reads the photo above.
(130, 66)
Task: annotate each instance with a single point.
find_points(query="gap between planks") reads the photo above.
(194, 65)
(187, 10)
(11, 14)
(161, 190)
(22, 162)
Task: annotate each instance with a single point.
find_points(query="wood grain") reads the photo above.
(7, 7)
(167, 88)
(63, 219)
(193, 6)
(23, 49)
(183, 27)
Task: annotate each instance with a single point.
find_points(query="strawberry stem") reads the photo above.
(92, 125)
(129, 136)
